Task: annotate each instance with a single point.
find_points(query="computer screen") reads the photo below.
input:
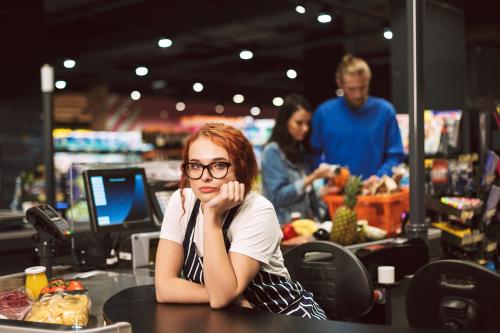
(118, 199)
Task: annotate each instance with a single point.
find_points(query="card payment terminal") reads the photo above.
(45, 218)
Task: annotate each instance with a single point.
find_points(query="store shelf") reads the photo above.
(103, 151)
(495, 141)
(434, 204)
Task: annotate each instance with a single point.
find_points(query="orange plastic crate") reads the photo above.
(382, 210)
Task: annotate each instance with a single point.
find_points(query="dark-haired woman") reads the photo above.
(222, 236)
(287, 176)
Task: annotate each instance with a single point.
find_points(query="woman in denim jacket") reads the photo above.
(287, 177)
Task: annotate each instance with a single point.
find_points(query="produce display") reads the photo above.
(344, 230)
(299, 230)
(384, 185)
(304, 227)
(378, 215)
(341, 177)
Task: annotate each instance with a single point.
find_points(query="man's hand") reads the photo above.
(368, 182)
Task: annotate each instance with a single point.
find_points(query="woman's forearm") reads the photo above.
(309, 179)
(220, 280)
(177, 290)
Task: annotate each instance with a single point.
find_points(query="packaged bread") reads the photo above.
(68, 308)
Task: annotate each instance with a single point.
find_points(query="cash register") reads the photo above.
(119, 200)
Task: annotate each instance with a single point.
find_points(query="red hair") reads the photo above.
(238, 148)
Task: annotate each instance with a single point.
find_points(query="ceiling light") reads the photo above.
(255, 111)
(135, 95)
(165, 42)
(219, 108)
(324, 18)
(198, 87)
(69, 63)
(278, 101)
(300, 9)
(60, 84)
(291, 73)
(387, 33)
(238, 98)
(180, 106)
(246, 54)
(141, 71)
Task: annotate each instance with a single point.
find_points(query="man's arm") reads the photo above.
(393, 152)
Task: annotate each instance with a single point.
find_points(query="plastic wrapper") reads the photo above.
(64, 308)
(14, 304)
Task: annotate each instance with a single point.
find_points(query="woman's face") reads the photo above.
(204, 151)
(298, 124)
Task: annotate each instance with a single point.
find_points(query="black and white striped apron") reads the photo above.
(269, 292)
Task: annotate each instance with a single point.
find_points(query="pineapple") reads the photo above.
(344, 230)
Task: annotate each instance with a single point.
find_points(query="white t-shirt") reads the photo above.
(254, 232)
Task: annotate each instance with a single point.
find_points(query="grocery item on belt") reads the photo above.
(65, 308)
(14, 304)
(36, 280)
(59, 285)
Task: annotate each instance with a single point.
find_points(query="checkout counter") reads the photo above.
(138, 306)
(127, 294)
(122, 296)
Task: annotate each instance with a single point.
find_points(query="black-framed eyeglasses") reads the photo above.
(216, 169)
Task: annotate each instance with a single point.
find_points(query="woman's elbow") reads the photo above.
(160, 298)
(221, 300)
(162, 295)
(219, 303)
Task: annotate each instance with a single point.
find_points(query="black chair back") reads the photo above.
(454, 294)
(339, 281)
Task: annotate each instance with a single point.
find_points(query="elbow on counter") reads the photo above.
(161, 296)
(219, 304)
(221, 300)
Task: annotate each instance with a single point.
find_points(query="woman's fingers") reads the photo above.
(230, 190)
(235, 191)
(223, 189)
(242, 191)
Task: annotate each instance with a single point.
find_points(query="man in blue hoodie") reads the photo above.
(357, 130)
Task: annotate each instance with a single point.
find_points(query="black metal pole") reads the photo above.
(47, 76)
(417, 227)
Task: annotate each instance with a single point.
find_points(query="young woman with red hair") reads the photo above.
(224, 238)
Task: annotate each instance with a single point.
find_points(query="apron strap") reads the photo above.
(192, 222)
(190, 226)
(227, 222)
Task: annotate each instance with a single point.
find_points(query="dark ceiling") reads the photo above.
(109, 39)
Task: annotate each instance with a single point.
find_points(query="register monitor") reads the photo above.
(118, 199)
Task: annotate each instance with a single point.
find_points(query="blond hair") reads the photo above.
(351, 65)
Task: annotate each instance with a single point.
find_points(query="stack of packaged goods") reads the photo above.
(65, 303)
